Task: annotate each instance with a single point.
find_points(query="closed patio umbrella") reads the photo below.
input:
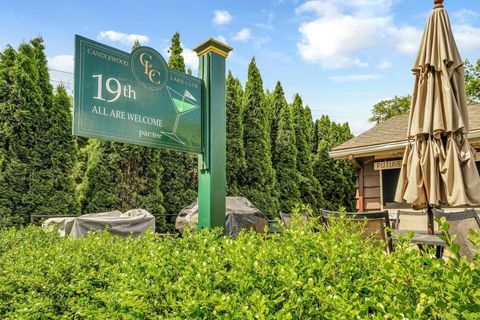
(438, 166)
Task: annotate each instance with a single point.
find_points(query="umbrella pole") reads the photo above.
(430, 219)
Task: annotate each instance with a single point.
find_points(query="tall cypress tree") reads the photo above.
(259, 182)
(35, 171)
(310, 189)
(54, 189)
(20, 111)
(235, 154)
(285, 154)
(180, 169)
(62, 159)
(310, 129)
(123, 177)
(337, 177)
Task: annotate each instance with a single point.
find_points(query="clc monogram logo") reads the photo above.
(149, 68)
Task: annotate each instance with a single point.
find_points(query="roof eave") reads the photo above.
(375, 149)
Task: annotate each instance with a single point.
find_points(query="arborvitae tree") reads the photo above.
(123, 177)
(285, 154)
(274, 103)
(20, 110)
(310, 190)
(235, 153)
(310, 129)
(62, 159)
(54, 188)
(180, 169)
(259, 182)
(176, 60)
(337, 177)
(34, 171)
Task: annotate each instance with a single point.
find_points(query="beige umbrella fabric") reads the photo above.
(438, 167)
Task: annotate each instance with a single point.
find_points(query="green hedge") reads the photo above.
(331, 274)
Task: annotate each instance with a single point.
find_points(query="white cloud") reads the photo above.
(61, 71)
(123, 38)
(406, 39)
(222, 39)
(384, 65)
(243, 35)
(465, 16)
(61, 63)
(191, 59)
(467, 38)
(355, 77)
(335, 39)
(221, 17)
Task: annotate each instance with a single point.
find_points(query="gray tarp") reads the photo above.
(134, 222)
(240, 214)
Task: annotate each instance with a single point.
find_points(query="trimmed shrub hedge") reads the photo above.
(330, 274)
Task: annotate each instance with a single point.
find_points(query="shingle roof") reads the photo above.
(395, 130)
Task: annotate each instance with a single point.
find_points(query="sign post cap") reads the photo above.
(212, 45)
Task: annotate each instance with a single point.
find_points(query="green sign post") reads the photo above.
(135, 98)
(211, 164)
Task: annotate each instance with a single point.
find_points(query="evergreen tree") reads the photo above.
(259, 183)
(310, 129)
(235, 153)
(123, 177)
(53, 189)
(20, 110)
(337, 177)
(35, 168)
(310, 189)
(176, 60)
(62, 159)
(179, 179)
(274, 103)
(285, 154)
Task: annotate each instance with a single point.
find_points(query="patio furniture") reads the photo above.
(377, 224)
(417, 222)
(413, 221)
(460, 224)
(287, 218)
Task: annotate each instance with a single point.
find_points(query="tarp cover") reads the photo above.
(240, 214)
(134, 222)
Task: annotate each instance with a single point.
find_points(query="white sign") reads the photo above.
(387, 165)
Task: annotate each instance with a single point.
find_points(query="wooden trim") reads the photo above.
(212, 45)
(381, 189)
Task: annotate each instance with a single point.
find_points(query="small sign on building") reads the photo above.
(387, 165)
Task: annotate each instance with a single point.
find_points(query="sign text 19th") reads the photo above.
(114, 88)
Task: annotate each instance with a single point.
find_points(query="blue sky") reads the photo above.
(341, 56)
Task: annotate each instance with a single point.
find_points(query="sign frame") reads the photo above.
(169, 140)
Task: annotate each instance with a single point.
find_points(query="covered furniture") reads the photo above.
(376, 224)
(131, 223)
(460, 225)
(240, 214)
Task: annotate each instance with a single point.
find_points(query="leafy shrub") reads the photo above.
(330, 274)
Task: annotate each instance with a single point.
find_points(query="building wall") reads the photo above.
(371, 187)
